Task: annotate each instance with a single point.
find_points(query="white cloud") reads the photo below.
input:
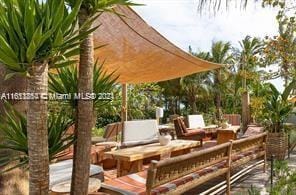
(181, 23)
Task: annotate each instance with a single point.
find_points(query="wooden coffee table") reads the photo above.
(130, 160)
(224, 135)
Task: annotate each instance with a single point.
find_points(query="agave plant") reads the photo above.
(13, 130)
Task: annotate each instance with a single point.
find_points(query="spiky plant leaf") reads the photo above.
(66, 82)
(13, 129)
(34, 31)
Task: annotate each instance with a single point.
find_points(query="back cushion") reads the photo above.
(196, 121)
(183, 125)
(139, 132)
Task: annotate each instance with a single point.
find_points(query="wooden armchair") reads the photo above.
(233, 119)
(183, 132)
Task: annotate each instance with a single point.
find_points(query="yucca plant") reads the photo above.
(65, 81)
(84, 119)
(36, 35)
(14, 147)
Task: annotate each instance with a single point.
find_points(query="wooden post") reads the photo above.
(228, 174)
(264, 157)
(245, 110)
(124, 103)
(265, 153)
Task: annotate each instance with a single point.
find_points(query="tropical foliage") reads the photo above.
(65, 81)
(13, 129)
(89, 11)
(281, 49)
(277, 108)
(285, 179)
(32, 31)
(35, 36)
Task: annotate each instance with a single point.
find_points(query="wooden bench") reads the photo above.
(248, 149)
(175, 175)
(244, 152)
(182, 173)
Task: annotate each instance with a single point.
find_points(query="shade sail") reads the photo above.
(138, 53)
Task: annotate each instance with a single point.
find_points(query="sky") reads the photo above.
(181, 23)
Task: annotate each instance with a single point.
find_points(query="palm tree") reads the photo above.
(90, 9)
(34, 35)
(172, 92)
(217, 5)
(194, 85)
(220, 53)
(247, 69)
(248, 57)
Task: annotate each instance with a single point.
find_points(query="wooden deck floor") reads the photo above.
(255, 178)
(259, 180)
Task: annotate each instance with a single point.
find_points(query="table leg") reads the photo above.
(165, 155)
(125, 168)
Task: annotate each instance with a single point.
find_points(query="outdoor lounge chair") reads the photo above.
(183, 132)
(139, 132)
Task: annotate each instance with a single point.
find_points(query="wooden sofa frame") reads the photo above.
(161, 172)
(255, 143)
(165, 171)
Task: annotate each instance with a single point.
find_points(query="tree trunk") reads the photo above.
(218, 106)
(124, 115)
(82, 146)
(245, 110)
(171, 105)
(218, 95)
(37, 130)
(192, 103)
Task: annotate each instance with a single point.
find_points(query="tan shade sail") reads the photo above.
(138, 53)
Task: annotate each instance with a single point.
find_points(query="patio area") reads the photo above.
(116, 97)
(255, 178)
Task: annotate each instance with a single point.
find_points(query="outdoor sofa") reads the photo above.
(139, 132)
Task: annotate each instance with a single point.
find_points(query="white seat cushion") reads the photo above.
(62, 171)
(196, 121)
(139, 132)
